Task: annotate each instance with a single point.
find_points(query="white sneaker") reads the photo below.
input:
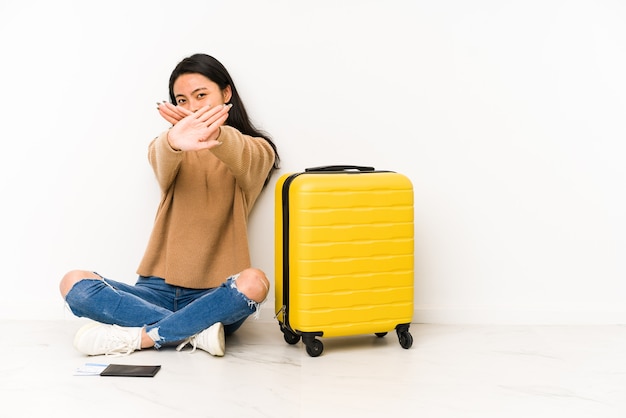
(95, 339)
(210, 340)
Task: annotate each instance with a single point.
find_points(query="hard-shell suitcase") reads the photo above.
(344, 254)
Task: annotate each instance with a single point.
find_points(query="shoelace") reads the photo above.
(191, 340)
(121, 345)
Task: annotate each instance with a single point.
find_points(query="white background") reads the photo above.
(508, 117)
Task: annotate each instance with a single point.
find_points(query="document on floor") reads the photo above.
(90, 369)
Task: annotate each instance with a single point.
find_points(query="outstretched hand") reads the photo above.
(195, 130)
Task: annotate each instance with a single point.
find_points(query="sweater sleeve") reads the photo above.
(164, 160)
(249, 159)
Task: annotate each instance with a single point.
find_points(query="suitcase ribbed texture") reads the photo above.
(344, 260)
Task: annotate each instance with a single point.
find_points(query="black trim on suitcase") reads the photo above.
(285, 209)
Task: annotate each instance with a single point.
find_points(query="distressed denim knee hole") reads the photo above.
(252, 305)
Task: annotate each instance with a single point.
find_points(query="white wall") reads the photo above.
(507, 116)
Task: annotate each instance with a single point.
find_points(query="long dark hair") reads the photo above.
(237, 117)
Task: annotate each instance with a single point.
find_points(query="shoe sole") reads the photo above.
(220, 349)
(81, 331)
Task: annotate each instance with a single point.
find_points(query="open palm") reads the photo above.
(198, 130)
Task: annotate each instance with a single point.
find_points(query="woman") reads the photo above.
(195, 282)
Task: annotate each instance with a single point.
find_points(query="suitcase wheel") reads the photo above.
(290, 337)
(314, 347)
(405, 338)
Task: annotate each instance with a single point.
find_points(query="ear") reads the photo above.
(227, 94)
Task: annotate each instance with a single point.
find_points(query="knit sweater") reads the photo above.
(200, 236)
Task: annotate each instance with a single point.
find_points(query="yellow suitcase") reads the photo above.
(344, 254)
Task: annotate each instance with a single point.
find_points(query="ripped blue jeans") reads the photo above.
(169, 313)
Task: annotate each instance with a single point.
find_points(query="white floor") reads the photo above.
(451, 371)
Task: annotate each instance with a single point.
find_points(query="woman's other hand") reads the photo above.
(172, 113)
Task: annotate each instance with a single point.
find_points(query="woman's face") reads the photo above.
(193, 91)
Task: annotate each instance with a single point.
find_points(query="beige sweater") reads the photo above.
(200, 232)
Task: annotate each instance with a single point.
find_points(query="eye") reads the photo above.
(201, 96)
(181, 101)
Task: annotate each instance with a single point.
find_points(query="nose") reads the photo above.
(194, 105)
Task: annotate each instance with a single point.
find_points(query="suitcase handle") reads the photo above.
(340, 168)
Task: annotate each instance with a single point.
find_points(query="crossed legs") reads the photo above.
(251, 282)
